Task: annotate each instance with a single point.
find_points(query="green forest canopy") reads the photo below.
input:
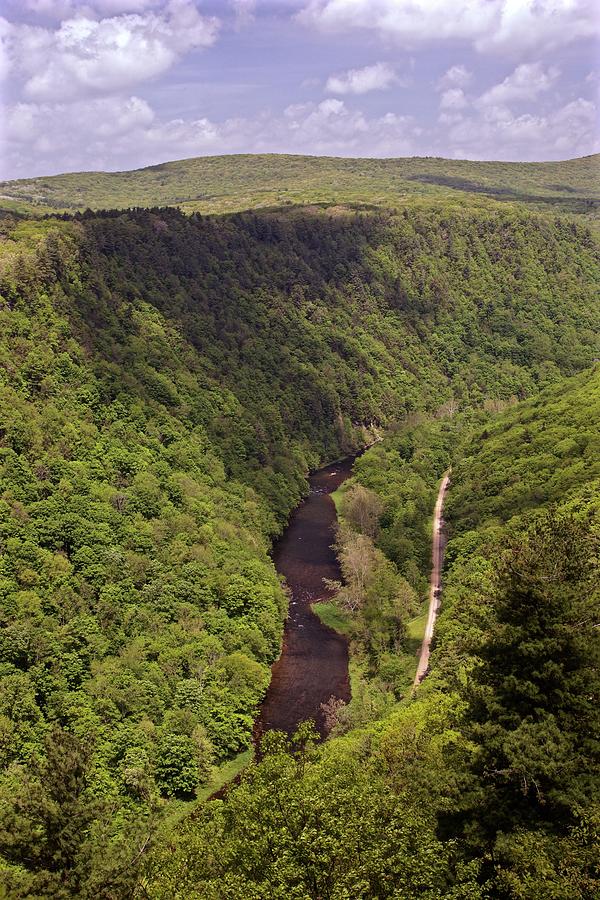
(166, 382)
(487, 784)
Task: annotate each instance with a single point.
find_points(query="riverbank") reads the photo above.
(380, 683)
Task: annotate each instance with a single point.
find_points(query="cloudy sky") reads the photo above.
(118, 84)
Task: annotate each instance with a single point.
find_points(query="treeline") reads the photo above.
(165, 384)
(487, 784)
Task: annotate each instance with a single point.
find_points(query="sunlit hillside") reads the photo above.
(233, 183)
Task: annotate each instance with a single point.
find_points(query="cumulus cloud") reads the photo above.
(329, 127)
(85, 56)
(328, 124)
(377, 77)
(456, 76)
(408, 21)
(245, 11)
(5, 47)
(526, 82)
(504, 25)
(75, 82)
(544, 24)
(120, 133)
(99, 133)
(498, 133)
(103, 118)
(108, 133)
(114, 7)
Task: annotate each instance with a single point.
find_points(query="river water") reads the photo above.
(313, 665)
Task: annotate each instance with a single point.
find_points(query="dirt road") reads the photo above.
(435, 580)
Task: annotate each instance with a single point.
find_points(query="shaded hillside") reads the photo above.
(230, 183)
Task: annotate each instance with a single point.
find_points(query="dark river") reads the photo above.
(313, 664)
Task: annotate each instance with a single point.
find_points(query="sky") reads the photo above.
(121, 84)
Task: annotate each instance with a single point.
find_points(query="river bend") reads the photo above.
(313, 665)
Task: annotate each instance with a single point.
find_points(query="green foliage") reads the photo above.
(404, 472)
(57, 838)
(533, 708)
(373, 602)
(518, 640)
(177, 766)
(300, 826)
(229, 183)
(517, 649)
(165, 384)
(538, 453)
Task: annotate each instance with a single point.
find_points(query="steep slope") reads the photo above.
(541, 452)
(486, 784)
(166, 383)
(231, 183)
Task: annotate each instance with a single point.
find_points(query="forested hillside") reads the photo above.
(542, 452)
(166, 383)
(232, 183)
(485, 785)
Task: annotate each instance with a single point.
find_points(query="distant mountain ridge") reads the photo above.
(217, 184)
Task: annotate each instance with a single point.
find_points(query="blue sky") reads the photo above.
(119, 84)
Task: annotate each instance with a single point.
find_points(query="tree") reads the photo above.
(177, 769)
(306, 827)
(357, 556)
(362, 508)
(533, 703)
(59, 840)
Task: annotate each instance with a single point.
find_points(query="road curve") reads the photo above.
(435, 579)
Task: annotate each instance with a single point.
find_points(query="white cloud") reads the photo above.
(377, 77)
(119, 133)
(455, 76)
(115, 7)
(75, 81)
(327, 124)
(330, 128)
(504, 25)
(497, 133)
(531, 24)
(526, 82)
(103, 118)
(408, 21)
(453, 98)
(87, 57)
(579, 119)
(85, 134)
(449, 118)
